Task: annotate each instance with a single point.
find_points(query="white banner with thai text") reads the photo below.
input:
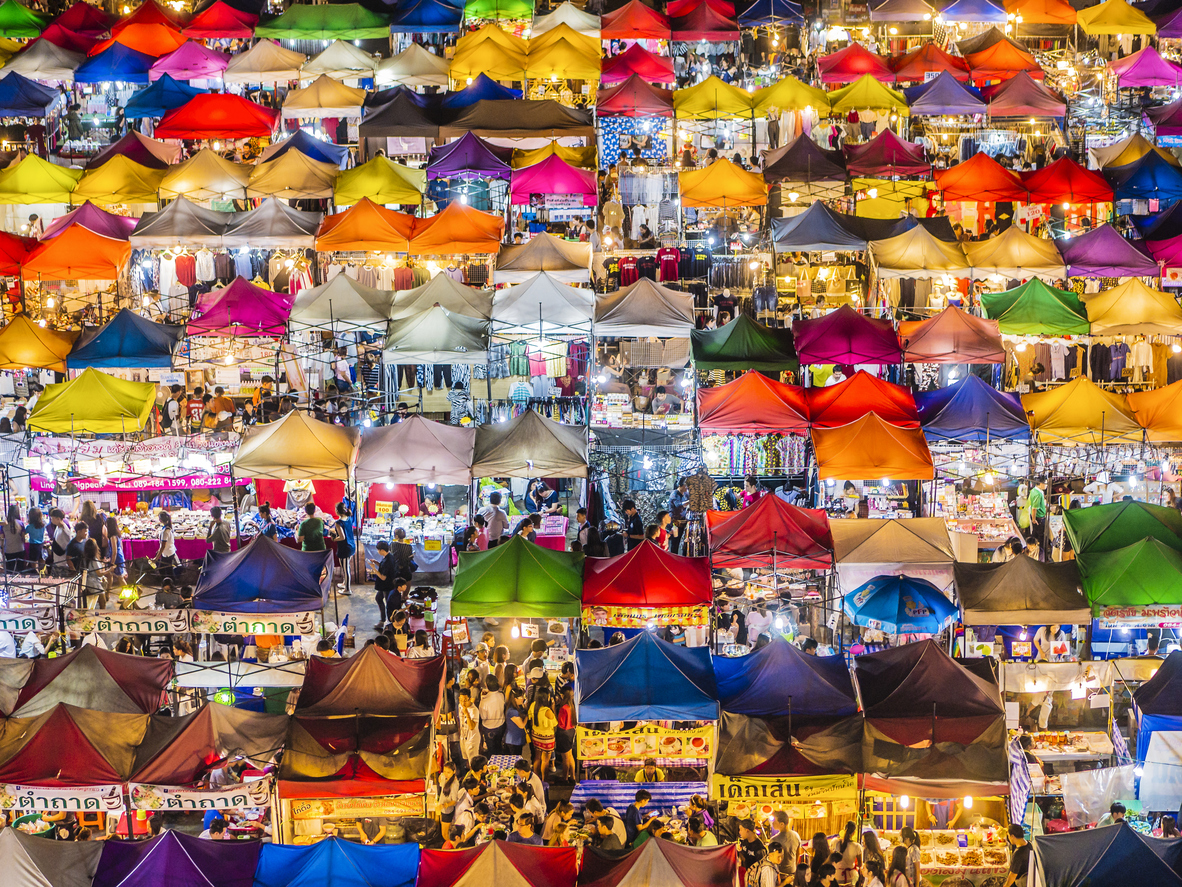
(30, 619)
(160, 797)
(87, 799)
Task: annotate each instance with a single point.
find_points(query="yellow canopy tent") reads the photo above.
(1015, 254)
(872, 448)
(712, 100)
(1130, 150)
(293, 176)
(1132, 309)
(382, 181)
(34, 180)
(561, 60)
(1081, 412)
(93, 403)
(892, 197)
(1114, 17)
(206, 176)
(722, 184)
(495, 34)
(1159, 411)
(791, 95)
(324, 97)
(25, 344)
(119, 180)
(489, 51)
(297, 447)
(867, 93)
(584, 158)
(916, 253)
(564, 33)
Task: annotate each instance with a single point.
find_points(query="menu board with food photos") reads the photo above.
(645, 742)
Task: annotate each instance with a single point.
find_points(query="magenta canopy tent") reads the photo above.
(553, 176)
(190, 61)
(241, 309)
(847, 337)
(1102, 252)
(1168, 251)
(93, 219)
(1169, 26)
(1167, 119)
(1145, 67)
(886, 155)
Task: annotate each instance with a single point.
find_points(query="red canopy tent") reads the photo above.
(635, 97)
(91, 678)
(1065, 181)
(661, 864)
(14, 251)
(1001, 61)
(70, 746)
(704, 22)
(752, 404)
(770, 532)
(952, 336)
(634, 21)
(336, 752)
(84, 18)
(217, 116)
(499, 863)
(980, 178)
(927, 59)
(886, 155)
(66, 39)
(220, 21)
(858, 395)
(853, 63)
(647, 576)
(147, 13)
(1023, 96)
(373, 682)
(637, 60)
(183, 750)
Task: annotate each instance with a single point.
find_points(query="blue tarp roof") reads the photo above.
(310, 146)
(127, 340)
(160, 97)
(115, 63)
(645, 679)
(768, 12)
(971, 410)
(264, 577)
(339, 863)
(478, 90)
(1150, 177)
(973, 11)
(817, 228)
(427, 16)
(944, 94)
(1105, 857)
(780, 678)
(22, 97)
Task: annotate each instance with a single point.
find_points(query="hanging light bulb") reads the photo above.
(515, 632)
(968, 802)
(49, 302)
(389, 486)
(904, 801)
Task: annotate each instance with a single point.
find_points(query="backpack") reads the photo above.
(755, 873)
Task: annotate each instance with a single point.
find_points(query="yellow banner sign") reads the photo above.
(388, 805)
(783, 788)
(645, 742)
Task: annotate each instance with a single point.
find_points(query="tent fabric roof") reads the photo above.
(817, 228)
(911, 680)
(922, 540)
(647, 576)
(1043, 12)
(973, 11)
(90, 678)
(585, 157)
(427, 17)
(564, 260)
(520, 119)
(116, 63)
(14, 250)
(634, 97)
(240, 309)
(264, 577)
(1023, 96)
(927, 59)
(25, 344)
(530, 446)
(46, 61)
(661, 863)
(447, 293)
(943, 95)
(518, 579)
(712, 99)
(872, 448)
(342, 60)
(1159, 695)
(743, 344)
(1116, 525)
(645, 679)
(802, 160)
(634, 21)
(126, 340)
(887, 155)
(178, 858)
(180, 223)
(272, 225)
(1103, 857)
(308, 145)
(500, 863)
(1135, 146)
(416, 451)
(1114, 17)
(93, 403)
(343, 299)
(770, 533)
(752, 404)
(206, 176)
(1146, 67)
(553, 176)
(119, 180)
(373, 682)
(324, 97)
(217, 116)
(481, 87)
(980, 178)
(151, 39)
(33, 861)
(917, 253)
(789, 94)
(644, 308)
(1015, 254)
(1102, 252)
(339, 862)
(365, 226)
(1157, 410)
(760, 684)
(219, 21)
(265, 62)
(721, 184)
(1150, 177)
(1145, 573)
(70, 746)
(543, 302)
(868, 93)
(293, 176)
(33, 180)
(1083, 412)
(845, 336)
(64, 38)
(1065, 181)
(836, 405)
(84, 18)
(1020, 590)
(971, 409)
(1132, 308)
(899, 604)
(704, 22)
(78, 254)
(852, 63)
(902, 11)
(952, 336)
(297, 447)
(22, 97)
(436, 335)
(459, 228)
(414, 66)
(162, 96)
(94, 219)
(191, 61)
(651, 67)
(1036, 308)
(341, 21)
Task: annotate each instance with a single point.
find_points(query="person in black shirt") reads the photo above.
(613, 540)
(1020, 860)
(76, 548)
(633, 526)
(386, 570)
(751, 849)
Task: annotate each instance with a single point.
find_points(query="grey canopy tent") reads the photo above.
(181, 223)
(518, 119)
(416, 451)
(563, 260)
(530, 446)
(1021, 591)
(445, 292)
(644, 309)
(438, 336)
(272, 225)
(543, 304)
(343, 299)
(37, 862)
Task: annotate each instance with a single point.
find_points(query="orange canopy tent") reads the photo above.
(952, 336)
(78, 254)
(1001, 61)
(365, 226)
(752, 404)
(1159, 412)
(150, 39)
(1042, 12)
(872, 448)
(978, 179)
(147, 13)
(458, 229)
(837, 405)
(217, 116)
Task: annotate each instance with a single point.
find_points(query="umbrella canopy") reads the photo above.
(264, 577)
(220, 21)
(381, 181)
(636, 60)
(437, 336)
(297, 447)
(952, 336)
(78, 254)
(1142, 574)
(180, 858)
(220, 116)
(33, 180)
(563, 260)
(645, 679)
(1065, 181)
(721, 184)
(518, 579)
(192, 61)
(341, 21)
(414, 66)
(770, 533)
(1019, 591)
(373, 683)
(324, 97)
(240, 309)
(845, 336)
(852, 63)
(459, 228)
(928, 59)
(501, 863)
(416, 451)
(980, 178)
(1102, 252)
(887, 155)
(645, 308)
(790, 94)
(743, 344)
(180, 223)
(341, 60)
(93, 403)
(1132, 308)
(1157, 410)
(1149, 178)
(635, 97)
(119, 180)
(365, 226)
(917, 253)
(802, 160)
(899, 605)
(1114, 17)
(427, 17)
(1083, 412)
(265, 62)
(942, 96)
(1103, 857)
(21, 97)
(1015, 254)
(872, 448)
(1023, 96)
(343, 299)
(712, 99)
(868, 93)
(162, 96)
(530, 446)
(25, 344)
(634, 21)
(817, 228)
(205, 176)
(553, 176)
(971, 409)
(127, 340)
(647, 576)
(1120, 524)
(752, 404)
(541, 304)
(339, 862)
(1146, 67)
(1036, 309)
(45, 61)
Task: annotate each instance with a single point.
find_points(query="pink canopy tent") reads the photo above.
(887, 155)
(192, 61)
(94, 219)
(1145, 67)
(1023, 96)
(241, 309)
(554, 176)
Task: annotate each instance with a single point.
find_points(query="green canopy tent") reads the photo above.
(1144, 574)
(1109, 527)
(518, 579)
(19, 21)
(344, 21)
(499, 9)
(743, 345)
(1036, 309)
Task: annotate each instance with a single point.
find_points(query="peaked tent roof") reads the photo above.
(973, 11)
(634, 21)
(182, 223)
(500, 863)
(802, 160)
(869, 447)
(1167, 121)
(852, 63)
(119, 180)
(543, 303)
(927, 59)
(26, 344)
(971, 409)
(1043, 12)
(1104, 857)
(458, 228)
(416, 451)
(95, 679)
(817, 228)
(427, 17)
(1102, 252)
(721, 184)
(521, 119)
(1015, 254)
(743, 344)
(481, 87)
(922, 540)
(220, 21)
(980, 178)
(70, 746)
(272, 224)
(19, 21)
(64, 38)
(917, 253)
(94, 218)
(1116, 525)
(46, 61)
(190, 61)
(914, 679)
(374, 683)
(887, 155)
(293, 176)
(704, 22)
(22, 97)
(85, 18)
(770, 533)
(1158, 410)
(1083, 412)
(151, 39)
(789, 94)
(177, 858)
(530, 446)
(1135, 146)
(868, 93)
(339, 862)
(340, 21)
(553, 176)
(1065, 181)
(446, 292)
(562, 259)
(126, 340)
(297, 447)
(634, 60)
(661, 864)
(162, 96)
(754, 404)
(32, 861)
(14, 250)
(217, 116)
(1143, 574)
(34, 180)
(93, 403)
(1114, 17)
(240, 309)
(1146, 67)
(1020, 590)
(436, 335)
(645, 679)
(324, 97)
(634, 97)
(1132, 308)
(1151, 177)
(647, 576)
(1037, 309)
(78, 254)
(1023, 96)
(116, 63)
(414, 66)
(1159, 695)
(952, 336)
(264, 577)
(342, 60)
(343, 299)
(308, 145)
(712, 99)
(520, 580)
(943, 95)
(644, 308)
(149, 12)
(845, 336)
(265, 62)
(365, 226)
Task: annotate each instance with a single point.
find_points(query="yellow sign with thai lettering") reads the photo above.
(783, 788)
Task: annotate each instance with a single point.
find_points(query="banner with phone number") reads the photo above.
(645, 742)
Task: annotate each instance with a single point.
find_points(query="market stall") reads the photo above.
(646, 587)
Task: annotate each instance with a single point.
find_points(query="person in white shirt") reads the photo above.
(492, 716)
(469, 718)
(759, 621)
(481, 664)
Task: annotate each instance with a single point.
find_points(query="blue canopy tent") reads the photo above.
(115, 64)
(427, 17)
(1157, 704)
(310, 146)
(900, 605)
(1106, 857)
(780, 678)
(478, 90)
(973, 11)
(817, 228)
(127, 340)
(971, 410)
(390, 93)
(337, 862)
(943, 95)
(264, 577)
(22, 97)
(645, 679)
(159, 98)
(770, 12)
(1151, 177)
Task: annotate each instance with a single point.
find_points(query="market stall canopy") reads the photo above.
(563, 260)
(240, 309)
(220, 21)
(867, 548)
(712, 99)
(64, 38)
(205, 176)
(952, 336)
(1065, 181)
(899, 605)
(272, 225)
(917, 253)
(1042, 12)
(340, 21)
(127, 340)
(85, 18)
(1023, 96)
(1149, 178)
(192, 61)
(45, 61)
(264, 577)
(1102, 252)
(117, 64)
(802, 160)
(1134, 147)
(770, 534)
(570, 15)
(177, 858)
(414, 66)
(779, 678)
(1114, 17)
(817, 228)
(721, 184)
(162, 96)
(980, 178)
(373, 683)
(94, 218)
(1159, 695)
(521, 119)
(837, 405)
(341, 60)
(564, 58)
(345, 300)
(416, 451)
(644, 308)
(184, 750)
(1037, 309)
(845, 336)
(88, 678)
(1014, 254)
(153, 40)
(1131, 308)
(500, 863)
(647, 576)
(1158, 410)
(1167, 121)
(93, 403)
(553, 176)
(634, 21)
(971, 409)
(217, 116)
(340, 862)
(324, 97)
(928, 59)
(458, 228)
(149, 12)
(636, 60)
(265, 62)
(1146, 67)
(586, 157)
(427, 17)
(365, 226)
(902, 11)
(297, 447)
(1082, 412)
(520, 580)
(915, 680)
(744, 344)
(752, 404)
(1143, 574)
(1019, 591)
(887, 155)
(1119, 524)
(1103, 857)
(530, 446)
(635, 97)
(872, 448)
(645, 679)
(119, 181)
(308, 145)
(852, 63)
(481, 88)
(662, 863)
(22, 97)
(293, 176)
(446, 292)
(868, 93)
(943, 96)
(436, 335)
(33, 180)
(704, 22)
(973, 11)
(543, 304)
(78, 254)
(180, 223)
(33, 861)
(789, 94)
(25, 344)
(498, 61)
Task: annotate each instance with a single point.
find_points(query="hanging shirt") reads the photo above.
(668, 260)
(243, 267)
(1058, 359)
(629, 270)
(205, 270)
(1119, 352)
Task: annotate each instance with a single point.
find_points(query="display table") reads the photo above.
(186, 549)
(438, 561)
(1085, 746)
(552, 534)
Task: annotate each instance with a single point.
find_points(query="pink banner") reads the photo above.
(114, 484)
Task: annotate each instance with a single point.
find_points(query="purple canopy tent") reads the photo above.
(1023, 96)
(847, 337)
(94, 219)
(190, 61)
(1145, 67)
(468, 157)
(241, 309)
(1167, 119)
(1169, 26)
(943, 95)
(801, 160)
(973, 11)
(176, 858)
(139, 148)
(886, 155)
(1102, 252)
